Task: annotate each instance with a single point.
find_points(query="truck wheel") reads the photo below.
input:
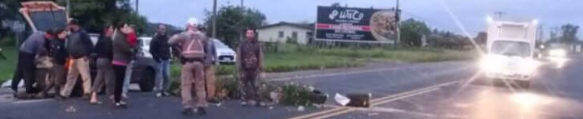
(148, 80)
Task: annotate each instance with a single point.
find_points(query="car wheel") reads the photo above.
(148, 80)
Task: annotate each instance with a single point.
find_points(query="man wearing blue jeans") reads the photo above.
(160, 50)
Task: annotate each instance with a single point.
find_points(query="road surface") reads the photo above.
(422, 90)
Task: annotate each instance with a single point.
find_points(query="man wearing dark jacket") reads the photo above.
(250, 64)
(79, 46)
(160, 50)
(104, 50)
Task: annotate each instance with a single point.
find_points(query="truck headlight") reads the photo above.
(490, 63)
(530, 66)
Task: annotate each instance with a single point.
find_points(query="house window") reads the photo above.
(281, 34)
(295, 35)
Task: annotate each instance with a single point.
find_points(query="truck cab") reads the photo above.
(510, 52)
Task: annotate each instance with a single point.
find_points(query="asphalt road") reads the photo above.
(423, 90)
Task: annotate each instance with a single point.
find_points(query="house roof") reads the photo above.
(307, 27)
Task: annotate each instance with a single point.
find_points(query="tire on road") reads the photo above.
(147, 80)
(523, 84)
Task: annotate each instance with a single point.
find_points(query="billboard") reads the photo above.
(356, 24)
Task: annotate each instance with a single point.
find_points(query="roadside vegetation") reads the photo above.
(7, 65)
(286, 58)
(294, 57)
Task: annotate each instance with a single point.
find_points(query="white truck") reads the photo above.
(510, 52)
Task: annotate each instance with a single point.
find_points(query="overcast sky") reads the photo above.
(471, 13)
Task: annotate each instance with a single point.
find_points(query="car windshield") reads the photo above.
(145, 42)
(220, 44)
(511, 48)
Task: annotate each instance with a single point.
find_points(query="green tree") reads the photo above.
(94, 15)
(569, 33)
(9, 12)
(481, 38)
(232, 21)
(412, 31)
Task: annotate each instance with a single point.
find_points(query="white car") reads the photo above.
(145, 46)
(224, 53)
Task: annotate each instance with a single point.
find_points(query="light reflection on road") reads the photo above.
(503, 104)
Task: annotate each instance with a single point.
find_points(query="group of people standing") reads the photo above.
(68, 51)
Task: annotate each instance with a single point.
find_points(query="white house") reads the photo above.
(281, 32)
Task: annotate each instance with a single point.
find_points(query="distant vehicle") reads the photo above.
(557, 53)
(224, 53)
(510, 56)
(145, 46)
(144, 69)
(94, 37)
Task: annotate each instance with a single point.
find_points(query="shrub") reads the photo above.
(228, 88)
(295, 95)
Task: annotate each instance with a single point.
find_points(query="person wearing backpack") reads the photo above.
(79, 47)
(193, 54)
(250, 65)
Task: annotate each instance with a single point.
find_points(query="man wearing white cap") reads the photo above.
(193, 54)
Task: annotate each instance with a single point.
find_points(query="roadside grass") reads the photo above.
(285, 62)
(294, 57)
(404, 55)
(7, 66)
(288, 58)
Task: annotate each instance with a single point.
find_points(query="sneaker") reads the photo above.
(120, 105)
(201, 111)
(124, 96)
(59, 97)
(159, 94)
(244, 103)
(214, 101)
(42, 95)
(262, 104)
(166, 94)
(187, 112)
(252, 103)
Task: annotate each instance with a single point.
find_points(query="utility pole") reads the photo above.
(398, 16)
(137, 7)
(500, 13)
(214, 31)
(68, 7)
(540, 32)
(241, 31)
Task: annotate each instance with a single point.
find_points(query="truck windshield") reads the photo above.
(511, 48)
